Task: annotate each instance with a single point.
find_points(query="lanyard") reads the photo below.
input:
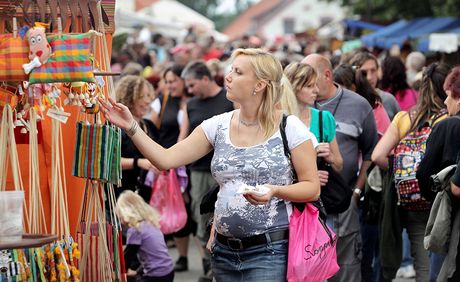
(338, 102)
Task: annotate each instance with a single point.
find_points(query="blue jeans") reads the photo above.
(259, 263)
(436, 261)
(406, 259)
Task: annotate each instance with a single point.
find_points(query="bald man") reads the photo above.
(356, 136)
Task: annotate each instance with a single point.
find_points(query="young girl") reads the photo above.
(144, 239)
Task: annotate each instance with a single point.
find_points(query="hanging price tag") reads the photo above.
(58, 115)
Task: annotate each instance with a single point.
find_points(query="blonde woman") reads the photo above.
(145, 242)
(247, 150)
(303, 80)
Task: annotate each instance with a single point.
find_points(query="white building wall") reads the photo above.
(125, 5)
(307, 14)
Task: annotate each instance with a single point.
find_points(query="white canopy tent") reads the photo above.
(168, 17)
(173, 11)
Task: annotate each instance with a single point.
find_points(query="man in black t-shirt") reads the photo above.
(209, 100)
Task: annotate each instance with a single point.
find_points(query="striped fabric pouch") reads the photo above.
(91, 151)
(69, 62)
(13, 54)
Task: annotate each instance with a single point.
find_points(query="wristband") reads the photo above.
(135, 163)
(357, 191)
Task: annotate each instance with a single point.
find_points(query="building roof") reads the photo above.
(141, 4)
(246, 21)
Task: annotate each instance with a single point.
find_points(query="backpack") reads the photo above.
(407, 157)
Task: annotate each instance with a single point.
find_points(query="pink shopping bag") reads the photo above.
(167, 199)
(312, 253)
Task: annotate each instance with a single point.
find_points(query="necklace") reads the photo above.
(248, 124)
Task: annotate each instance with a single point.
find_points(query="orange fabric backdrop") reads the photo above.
(75, 185)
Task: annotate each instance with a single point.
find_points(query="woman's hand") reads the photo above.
(147, 165)
(131, 273)
(211, 239)
(324, 150)
(260, 200)
(455, 190)
(209, 243)
(323, 177)
(116, 113)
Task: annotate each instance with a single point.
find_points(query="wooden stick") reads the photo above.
(15, 27)
(106, 73)
(13, 156)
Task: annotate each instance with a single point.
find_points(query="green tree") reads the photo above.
(388, 10)
(204, 7)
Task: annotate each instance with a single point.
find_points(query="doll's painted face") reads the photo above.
(38, 44)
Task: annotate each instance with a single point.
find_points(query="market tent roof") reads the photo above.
(370, 39)
(398, 33)
(418, 29)
(351, 23)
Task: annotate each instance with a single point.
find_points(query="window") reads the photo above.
(288, 25)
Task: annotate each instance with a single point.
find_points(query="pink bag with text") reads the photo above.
(312, 253)
(167, 199)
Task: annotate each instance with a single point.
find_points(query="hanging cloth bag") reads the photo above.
(14, 52)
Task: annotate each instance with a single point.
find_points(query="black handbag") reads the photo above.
(208, 202)
(336, 195)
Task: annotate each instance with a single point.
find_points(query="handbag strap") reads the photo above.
(320, 161)
(320, 126)
(300, 206)
(287, 152)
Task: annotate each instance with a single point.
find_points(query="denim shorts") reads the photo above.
(266, 262)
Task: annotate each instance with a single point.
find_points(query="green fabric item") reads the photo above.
(328, 125)
(390, 227)
(115, 161)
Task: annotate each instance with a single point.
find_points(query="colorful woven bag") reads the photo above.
(13, 54)
(97, 152)
(69, 62)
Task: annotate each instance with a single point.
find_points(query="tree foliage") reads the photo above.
(389, 10)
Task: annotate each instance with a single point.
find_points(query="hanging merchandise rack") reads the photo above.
(32, 89)
(97, 159)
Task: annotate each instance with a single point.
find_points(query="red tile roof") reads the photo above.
(141, 4)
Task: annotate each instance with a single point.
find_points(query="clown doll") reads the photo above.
(39, 48)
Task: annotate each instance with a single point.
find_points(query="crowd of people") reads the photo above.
(386, 123)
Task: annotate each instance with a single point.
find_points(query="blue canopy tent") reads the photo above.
(370, 39)
(357, 24)
(417, 29)
(398, 33)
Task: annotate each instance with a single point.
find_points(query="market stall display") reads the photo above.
(47, 73)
